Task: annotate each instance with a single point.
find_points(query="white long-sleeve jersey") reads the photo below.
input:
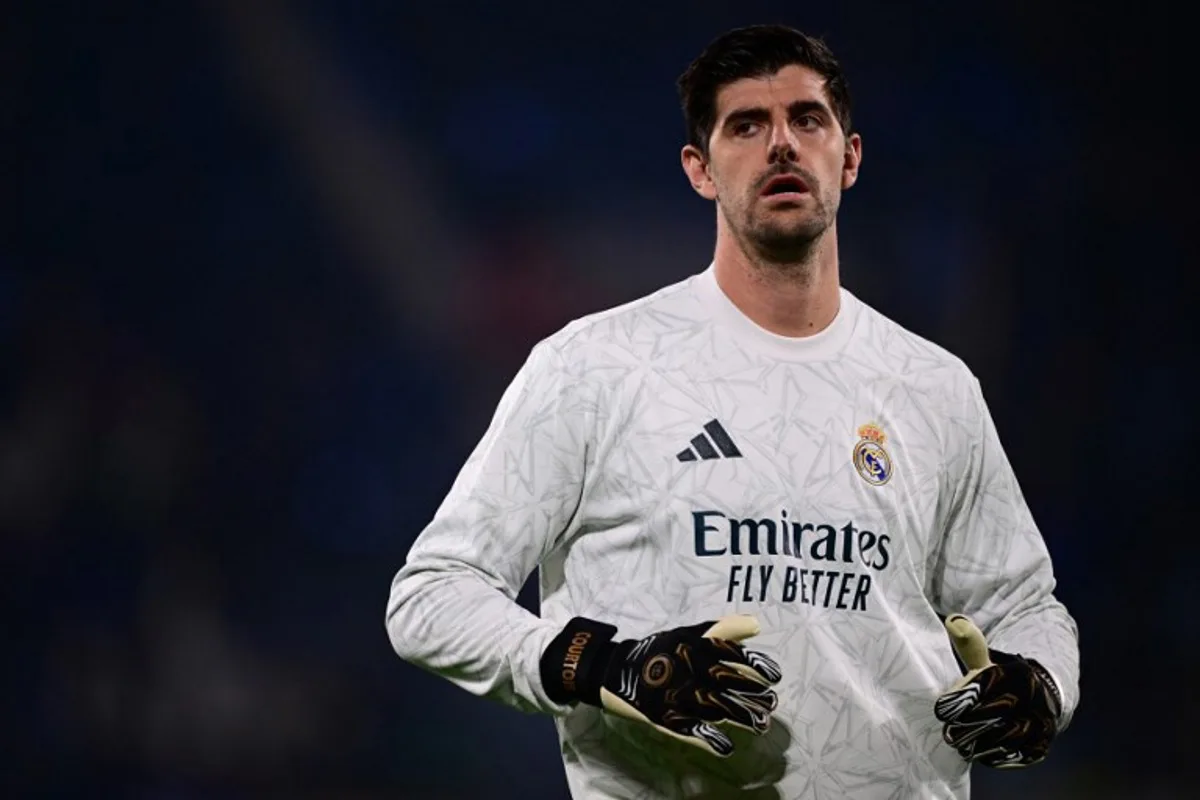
(668, 462)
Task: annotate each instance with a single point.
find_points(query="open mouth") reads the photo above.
(785, 184)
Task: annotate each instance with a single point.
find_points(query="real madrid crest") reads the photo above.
(870, 459)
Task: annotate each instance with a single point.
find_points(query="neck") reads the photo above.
(798, 299)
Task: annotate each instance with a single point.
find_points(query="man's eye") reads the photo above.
(745, 128)
(807, 121)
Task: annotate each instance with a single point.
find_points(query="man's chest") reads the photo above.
(792, 485)
(814, 438)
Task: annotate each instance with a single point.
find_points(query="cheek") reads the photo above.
(730, 179)
(722, 184)
(831, 174)
(742, 185)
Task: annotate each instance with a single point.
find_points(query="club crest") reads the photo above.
(870, 458)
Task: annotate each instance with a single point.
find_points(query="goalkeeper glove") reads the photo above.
(1004, 711)
(683, 682)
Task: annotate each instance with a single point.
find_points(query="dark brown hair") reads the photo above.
(754, 52)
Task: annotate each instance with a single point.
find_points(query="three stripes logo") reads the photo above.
(716, 444)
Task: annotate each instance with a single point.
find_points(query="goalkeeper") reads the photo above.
(772, 527)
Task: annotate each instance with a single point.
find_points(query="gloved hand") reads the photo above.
(1004, 711)
(684, 681)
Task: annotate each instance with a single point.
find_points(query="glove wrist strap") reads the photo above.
(1043, 675)
(573, 664)
(1051, 687)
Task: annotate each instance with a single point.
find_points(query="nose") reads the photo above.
(783, 145)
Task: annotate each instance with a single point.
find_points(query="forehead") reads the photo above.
(791, 84)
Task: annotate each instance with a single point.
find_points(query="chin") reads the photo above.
(787, 236)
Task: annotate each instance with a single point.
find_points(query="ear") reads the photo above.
(851, 161)
(695, 166)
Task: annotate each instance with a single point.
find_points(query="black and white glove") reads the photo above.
(1004, 711)
(684, 682)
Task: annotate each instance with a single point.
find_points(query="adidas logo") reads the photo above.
(702, 446)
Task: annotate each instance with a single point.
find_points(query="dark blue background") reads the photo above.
(266, 267)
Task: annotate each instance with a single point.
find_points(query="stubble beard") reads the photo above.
(784, 248)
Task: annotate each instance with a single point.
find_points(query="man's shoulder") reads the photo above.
(904, 352)
(630, 324)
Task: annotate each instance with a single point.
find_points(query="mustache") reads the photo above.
(809, 179)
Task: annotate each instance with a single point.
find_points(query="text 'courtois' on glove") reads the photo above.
(685, 681)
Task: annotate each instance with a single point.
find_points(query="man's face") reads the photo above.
(777, 163)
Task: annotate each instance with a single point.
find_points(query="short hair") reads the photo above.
(753, 52)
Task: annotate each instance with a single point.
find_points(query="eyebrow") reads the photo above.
(760, 114)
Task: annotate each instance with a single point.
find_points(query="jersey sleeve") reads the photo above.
(993, 564)
(452, 607)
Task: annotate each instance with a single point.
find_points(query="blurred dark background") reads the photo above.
(266, 267)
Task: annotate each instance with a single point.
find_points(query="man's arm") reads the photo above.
(452, 608)
(993, 565)
(453, 611)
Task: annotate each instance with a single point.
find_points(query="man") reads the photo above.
(750, 451)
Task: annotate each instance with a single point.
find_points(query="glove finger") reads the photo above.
(725, 675)
(765, 666)
(766, 699)
(1006, 706)
(962, 699)
(697, 732)
(1017, 759)
(719, 708)
(750, 712)
(733, 627)
(990, 756)
(1021, 733)
(727, 707)
(993, 751)
(699, 629)
(752, 692)
(973, 735)
(752, 664)
(968, 641)
(1003, 758)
